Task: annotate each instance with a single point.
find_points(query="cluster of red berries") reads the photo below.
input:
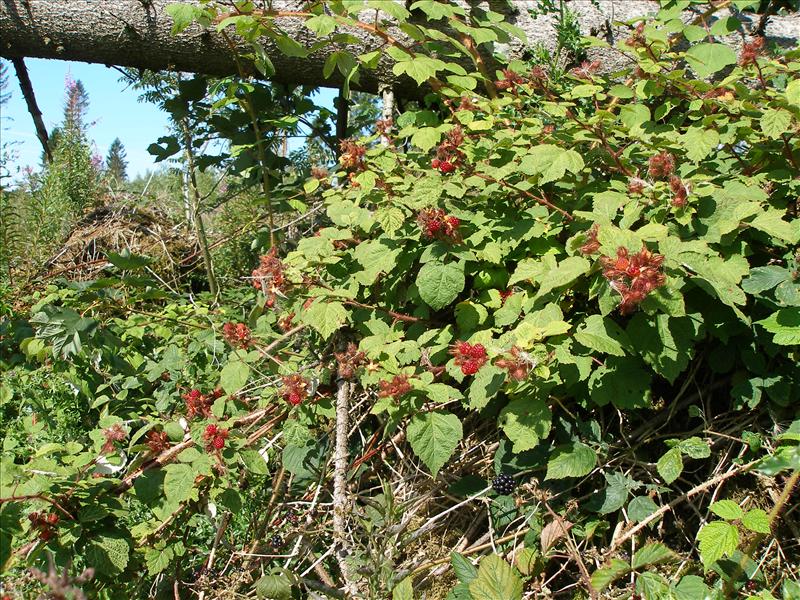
(679, 190)
(592, 244)
(352, 155)
(199, 404)
(470, 357)
(236, 334)
(349, 361)
(516, 365)
(661, 165)
(113, 434)
(634, 277)
(215, 437)
(44, 523)
(269, 276)
(395, 388)
(435, 223)
(751, 51)
(295, 389)
(157, 441)
(448, 155)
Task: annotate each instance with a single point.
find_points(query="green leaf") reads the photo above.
(291, 47)
(439, 284)
(785, 325)
(652, 554)
(699, 142)
(496, 580)
(757, 520)
(322, 25)
(652, 586)
(567, 271)
(570, 460)
(463, 568)
(254, 462)
(706, 59)
(234, 376)
(526, 421)
(775, 122)
(666, 343)
(604, 576)
(640, 508)
(727, 509)
(403, 590)
(603, 335)
(179, 483)
(551, 162)
(793, 92)
(127, 261)
(690, 587)
(717, 539)
(434, 437)
(390, 219)
(694, 447)
(182, 15)
(772, 223)
(426, 138)
(762, 279)
(670, 466)
(621, 382)
(273, 587)
(325, 317)
(108, 554)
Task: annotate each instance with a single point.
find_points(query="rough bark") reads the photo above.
(137, 33)
(33, 108)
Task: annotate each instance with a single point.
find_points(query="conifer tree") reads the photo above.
(116, 165)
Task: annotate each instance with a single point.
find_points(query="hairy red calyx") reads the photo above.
(352, 155)
(295, 389)
(661, 165)
(592, 244)
(395, 388)
(349, 361)
(157, 441)
(516, 365)
(634, 277)
(435, 223)
(113, 434)
(269, 276)
(236, 334)
(214, 437)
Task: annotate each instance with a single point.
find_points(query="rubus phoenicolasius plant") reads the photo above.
(579, 289)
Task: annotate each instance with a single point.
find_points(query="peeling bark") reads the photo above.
(137, 33)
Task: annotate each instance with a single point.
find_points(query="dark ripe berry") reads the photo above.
(503, 484)
(276, 541)
(294, 398)
(751, 586)
(447, 167)
(219, 442)
(211, 430)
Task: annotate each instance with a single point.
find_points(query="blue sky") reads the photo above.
(114, 111)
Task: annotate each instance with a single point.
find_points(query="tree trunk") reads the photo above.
(137, 33)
